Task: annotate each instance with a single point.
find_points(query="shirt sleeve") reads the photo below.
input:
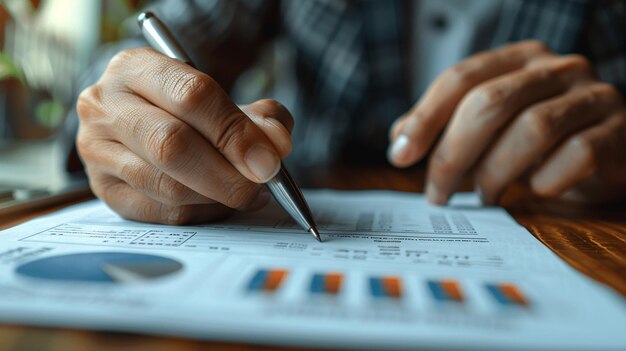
(222, 37)
(604, 41)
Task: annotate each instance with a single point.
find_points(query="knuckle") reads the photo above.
(131, 174)
(538, 125)
(458, 75)
(94, 185)
(104, 188)
(147, 212)
(275, 108)
(99, 190)
(173, 192)
(176, 215)
(167, 143)
(151, 211)
(442, 164)
(191, 89)
(82, 143)
(230, 131)
(88, 103)
(241, 194)
(586, 151)
(534, 45)
(272, 105)
(577, 62)
(91, 149)
(605, 91)
(485, 96)
(120, 61)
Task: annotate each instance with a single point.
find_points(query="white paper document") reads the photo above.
(392, 273)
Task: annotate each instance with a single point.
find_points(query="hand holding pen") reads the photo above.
(162, 142)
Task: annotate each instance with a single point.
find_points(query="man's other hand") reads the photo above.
(515, 112)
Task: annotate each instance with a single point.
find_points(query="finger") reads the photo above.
(117, 160)
(537, 130)
(415, 133)
(132, 204)
(484, 111)
(261, 200)
(199, 101)
(274, 120)
(269, 108)
(174, 148)
(580, 157)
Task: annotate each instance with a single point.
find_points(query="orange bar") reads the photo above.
(512, 292)
(452, 289)
(393, 286)
(332, 282)
(274, 278)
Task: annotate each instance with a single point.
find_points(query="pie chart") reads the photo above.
(100, 267)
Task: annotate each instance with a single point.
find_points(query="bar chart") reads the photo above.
(507, 294)
(390, 287)
(386, 287)
(326, 283)
(267, 280)
(446, 290)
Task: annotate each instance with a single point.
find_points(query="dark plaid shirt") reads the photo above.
(351, 56)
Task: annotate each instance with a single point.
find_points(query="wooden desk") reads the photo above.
(591, 240)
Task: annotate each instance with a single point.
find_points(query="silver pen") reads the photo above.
(282, 186)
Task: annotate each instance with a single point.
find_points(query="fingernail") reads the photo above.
(263, 163)
(399, 148)
(434, 195)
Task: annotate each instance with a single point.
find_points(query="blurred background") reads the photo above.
(45, 46)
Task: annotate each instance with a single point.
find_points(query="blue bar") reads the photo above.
(437, 291)
(498, 295)
(377, 288)
(318, 285)
(258, 281)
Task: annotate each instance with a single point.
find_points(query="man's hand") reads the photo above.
(162, 142)
(516, 111)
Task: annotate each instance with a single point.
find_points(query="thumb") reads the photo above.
(274, 120)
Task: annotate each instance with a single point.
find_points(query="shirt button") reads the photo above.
(438, 22)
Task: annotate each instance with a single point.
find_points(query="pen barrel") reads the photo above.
(282, 186)
(289, 196)
(160, 38)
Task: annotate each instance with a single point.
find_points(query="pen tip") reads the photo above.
(316, 234)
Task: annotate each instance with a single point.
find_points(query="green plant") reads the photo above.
(8, 68)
